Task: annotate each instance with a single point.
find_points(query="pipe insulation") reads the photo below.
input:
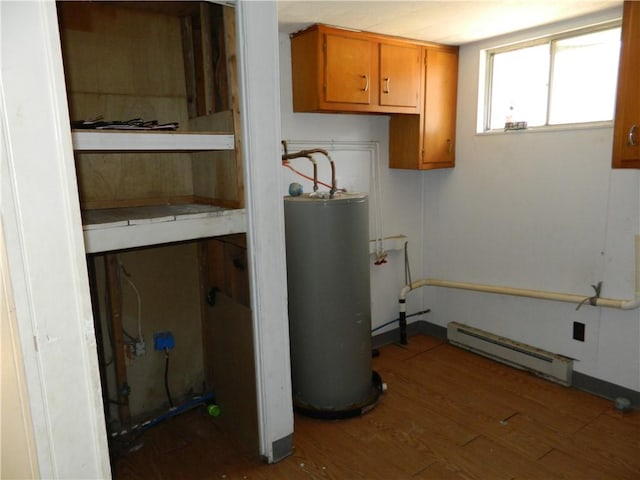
(539, 294)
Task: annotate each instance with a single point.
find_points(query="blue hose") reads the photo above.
(174, 411)
(203, 399)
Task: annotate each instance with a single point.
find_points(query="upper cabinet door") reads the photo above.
(441, 91)
(338, 71)
(626, 140)
(348, 69)
(399, 75)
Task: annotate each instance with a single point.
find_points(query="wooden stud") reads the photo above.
(186, 24)
(206, 297)
(207, 58)
(95, 310)
(221, 89)
(119, 360)
(234, 99)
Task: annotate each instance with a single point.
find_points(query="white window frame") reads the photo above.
(552, 39)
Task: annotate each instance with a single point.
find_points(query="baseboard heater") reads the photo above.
(545, 364)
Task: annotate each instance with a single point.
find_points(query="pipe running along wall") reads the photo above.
(286, 156)
(579, 300)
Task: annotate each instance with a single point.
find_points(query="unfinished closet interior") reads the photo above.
(153, 100)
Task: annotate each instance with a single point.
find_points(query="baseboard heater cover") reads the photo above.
(545, 364)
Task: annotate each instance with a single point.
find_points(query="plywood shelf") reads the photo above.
(122, 228)
(149, 141)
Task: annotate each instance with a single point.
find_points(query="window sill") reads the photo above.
(550, 128)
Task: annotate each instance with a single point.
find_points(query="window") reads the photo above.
(565, 79)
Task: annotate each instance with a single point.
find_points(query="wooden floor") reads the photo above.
(447, 414)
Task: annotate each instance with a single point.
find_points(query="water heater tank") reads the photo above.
(327, 245)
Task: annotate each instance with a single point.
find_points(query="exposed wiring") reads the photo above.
(129, 336)
(285, 163)
(166, 376)
(308, 154)
(127, 277)
(390, 322)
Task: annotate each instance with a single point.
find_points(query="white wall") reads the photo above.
(538, 210)
(401, 209)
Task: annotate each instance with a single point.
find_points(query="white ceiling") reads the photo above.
(453, 22)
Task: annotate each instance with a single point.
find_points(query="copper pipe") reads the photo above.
(308, 154)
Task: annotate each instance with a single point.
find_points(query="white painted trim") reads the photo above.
(19, 459)
(41, 213)
(257, 32)
(155, 231)
(107, 140)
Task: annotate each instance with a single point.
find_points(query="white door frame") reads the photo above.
(259, 72)
(41, 214)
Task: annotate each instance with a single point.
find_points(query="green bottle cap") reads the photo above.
(214, 410)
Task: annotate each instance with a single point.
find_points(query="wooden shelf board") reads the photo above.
(149, 140)
(121, 228)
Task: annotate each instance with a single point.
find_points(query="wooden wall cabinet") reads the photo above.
(427, 141)
(343, 71)
(337, 70)
(626, 132)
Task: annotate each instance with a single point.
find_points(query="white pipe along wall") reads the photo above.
(595, 301)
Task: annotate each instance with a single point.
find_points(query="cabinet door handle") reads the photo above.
(449, 145)
(385, 89)
(631, 138)
(366, 82)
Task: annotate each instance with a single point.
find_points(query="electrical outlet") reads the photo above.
(578, 331)
(163, 341)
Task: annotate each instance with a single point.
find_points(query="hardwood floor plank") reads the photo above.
(391, 443)
(419, 407)
(569, 467)
(570, 401)
(495, 383)
(499, 462)
(496, 412)
(611, 442)
(341, 454)
(442, 471)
